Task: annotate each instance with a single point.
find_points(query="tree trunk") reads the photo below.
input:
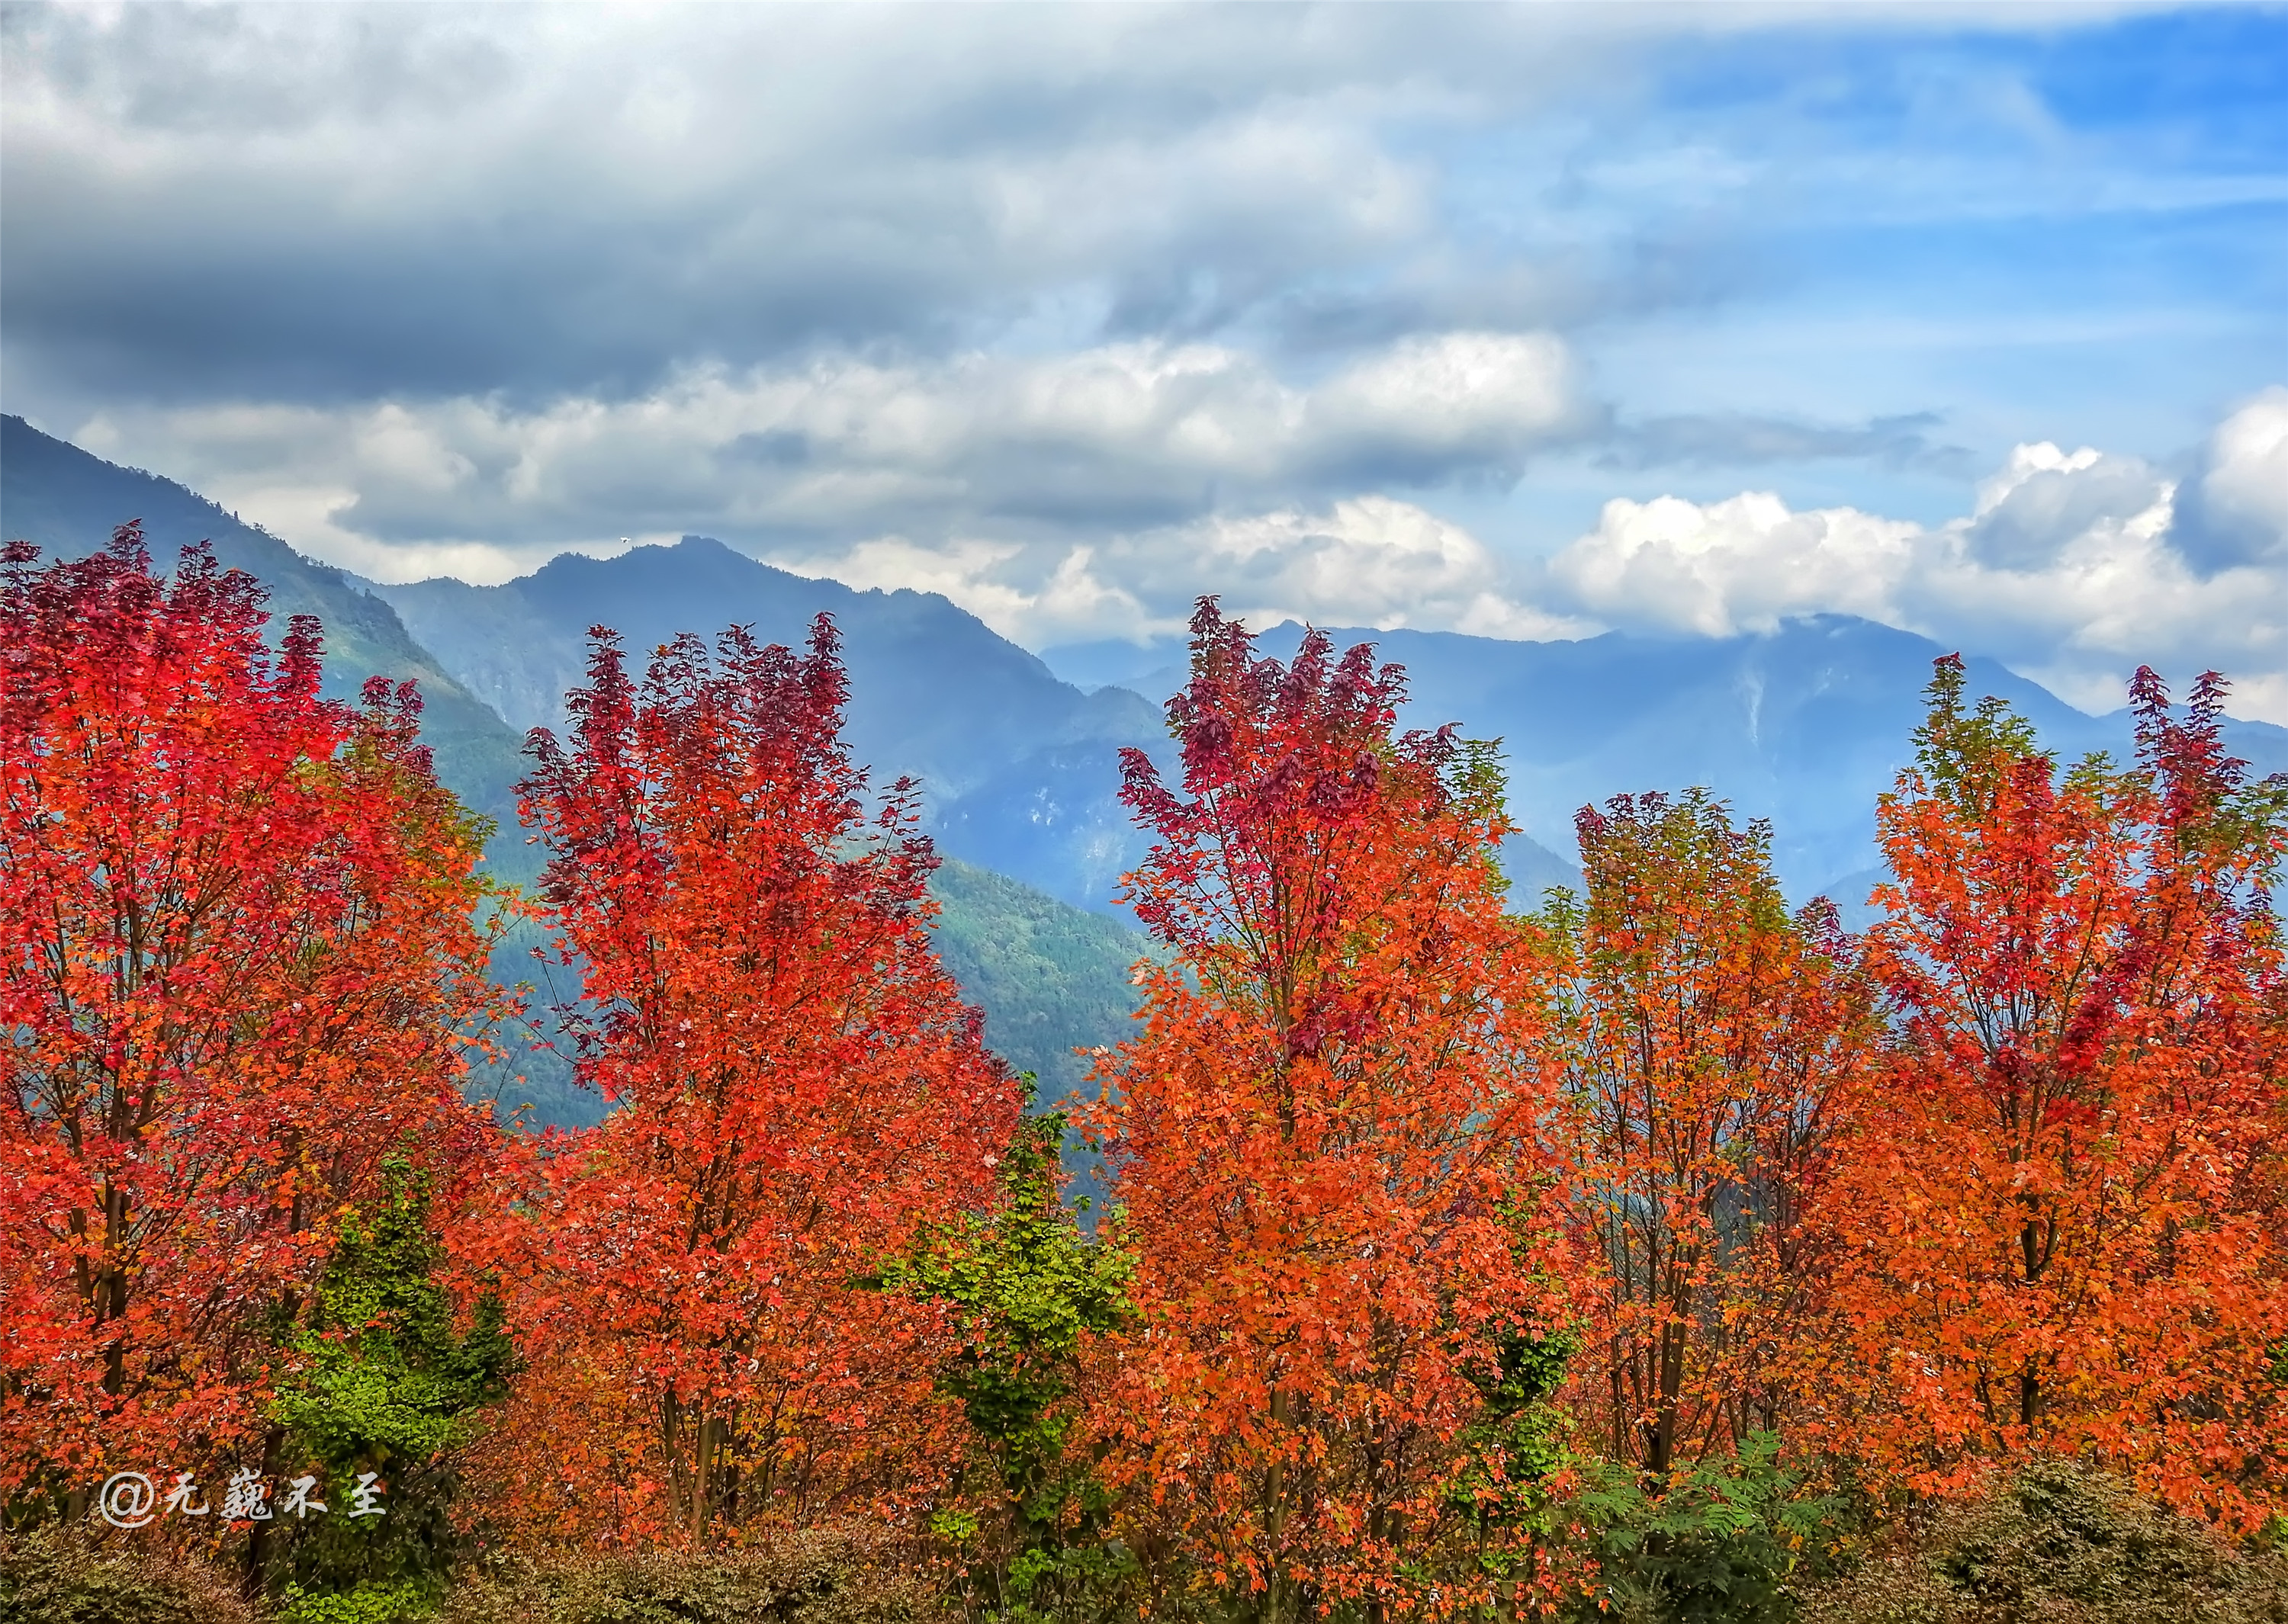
(1275, 1512)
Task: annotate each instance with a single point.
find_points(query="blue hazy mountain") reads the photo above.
(69, 502)
(1805, 725)
(1018, 766)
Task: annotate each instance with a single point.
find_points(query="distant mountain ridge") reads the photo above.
(1806, 724)
(521, 644)
(69, 501)
(1017, 767)
(1021, 768)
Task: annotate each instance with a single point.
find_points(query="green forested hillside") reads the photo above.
(1048, 977)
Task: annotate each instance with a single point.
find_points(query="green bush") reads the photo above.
(403, 1602)
(383, 1382)
(2057, 1544)
(816, 1576)
(1715, 1548)
(51, 1575)
(1030, 1531)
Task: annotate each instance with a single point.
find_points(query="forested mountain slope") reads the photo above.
(69, 502)
(1050, 978)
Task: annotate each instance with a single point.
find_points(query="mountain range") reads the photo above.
(1804, 724)
(1015, 763)
(934, 692)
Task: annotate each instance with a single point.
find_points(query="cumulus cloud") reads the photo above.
(1742, 564)
(1068, 497)
(2233, 511)
(357, 202)
(2074, 567)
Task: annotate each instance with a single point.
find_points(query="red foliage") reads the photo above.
(1323, 1142)
(800, 1090)
(2062, 1224)
(1710, 1042)
(2006, 1180)
(237, 922)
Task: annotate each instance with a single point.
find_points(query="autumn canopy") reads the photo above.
(1459, 1252)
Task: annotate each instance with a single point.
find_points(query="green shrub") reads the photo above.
(383, 1382)
(1715, 1548)
(1030, 1531)
(50, 1575)
(403, 1602)
(2057, 1544)
(816, 1576)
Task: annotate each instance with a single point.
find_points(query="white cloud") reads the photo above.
(1368, 561)
(2247, 475)
(2072, 567)
(1094, 492)
(1740, 565)
(2234, 509)
(1115, 438)
(407, 199)
(1425, 399)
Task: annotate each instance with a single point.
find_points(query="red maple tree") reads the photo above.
(800, 1090)
(2059, 1218)
(243, 968)
(1323, 1142)
(1710, 1041)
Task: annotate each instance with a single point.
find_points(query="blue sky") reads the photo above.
(2077, 235)
(1526, 322)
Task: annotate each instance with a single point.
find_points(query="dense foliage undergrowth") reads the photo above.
(2058, 1544)
(1659, 1253)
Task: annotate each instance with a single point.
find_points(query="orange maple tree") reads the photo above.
(1323, 1141)
(1708, 1039)
(800, 1091)
(2059, 1220)
(242, 968)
